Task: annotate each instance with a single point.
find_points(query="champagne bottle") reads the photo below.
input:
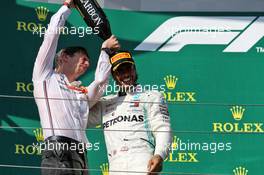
(94, 17)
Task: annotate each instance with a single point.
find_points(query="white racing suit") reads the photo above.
(136, 127)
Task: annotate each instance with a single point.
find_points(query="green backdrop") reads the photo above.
(208, 139)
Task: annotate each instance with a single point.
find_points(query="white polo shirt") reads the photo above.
(68, 105)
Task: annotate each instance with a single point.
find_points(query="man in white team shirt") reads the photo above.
(136, 123)
(62, 102)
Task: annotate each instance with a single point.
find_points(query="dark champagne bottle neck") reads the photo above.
(94, 17)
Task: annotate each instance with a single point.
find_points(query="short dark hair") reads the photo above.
(70, 51)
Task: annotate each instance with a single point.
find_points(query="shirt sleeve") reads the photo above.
(43, 66)
(97, 88)
(160, 124)
(95, 115)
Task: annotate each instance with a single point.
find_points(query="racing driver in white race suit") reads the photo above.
(136, 123)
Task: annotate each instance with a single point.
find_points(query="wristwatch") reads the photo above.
(109, 51)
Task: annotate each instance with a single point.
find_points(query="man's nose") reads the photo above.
(126, 73)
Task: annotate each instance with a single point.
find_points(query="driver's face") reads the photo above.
(125, 74)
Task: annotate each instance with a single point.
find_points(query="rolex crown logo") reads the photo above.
(39, 134)
(105, 169)
(170, 81)
(174, 144)
(42, 13)
(237, 112)
(240, 171)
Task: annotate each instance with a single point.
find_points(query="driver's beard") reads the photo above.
(127, 88)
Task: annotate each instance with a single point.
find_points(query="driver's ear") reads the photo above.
(134, 69)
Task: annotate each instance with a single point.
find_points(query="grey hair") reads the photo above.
(69, 51)
(56, 58)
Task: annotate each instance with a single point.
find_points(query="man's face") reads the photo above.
(125, 75)
(77, 64)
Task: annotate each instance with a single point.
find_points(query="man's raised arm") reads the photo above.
(44, 62)
(97, 87)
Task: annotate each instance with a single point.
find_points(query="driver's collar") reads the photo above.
(129, 91)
